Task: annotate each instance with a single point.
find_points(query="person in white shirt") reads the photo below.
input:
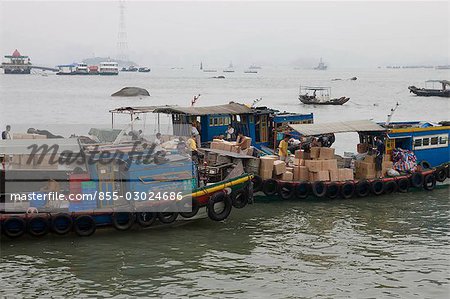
(158, 139)
(194, 132)
(230, 133)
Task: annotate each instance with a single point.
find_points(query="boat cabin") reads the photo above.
(261, 124)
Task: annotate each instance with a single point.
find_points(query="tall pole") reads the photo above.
(122, 44)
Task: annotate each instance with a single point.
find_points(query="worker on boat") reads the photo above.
(158, 140)
(230, 133)
(7, 133)
(283, 148)
(379, 146)
(294, 144)
(192, 147)
(181, 146)
(195, 133)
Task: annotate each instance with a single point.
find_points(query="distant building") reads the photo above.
(16, 64)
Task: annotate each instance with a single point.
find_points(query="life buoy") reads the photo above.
(62, 224)
(270, 187)
(429, 182)
(239, 198)
(84, 225)
(377, 187)
(441, 174)
(14, 227)
(302, 190)
(122, 220)
(195, 207)
(146, 219)
(257, 183)
(362, 188)
(219, 197)
(319, 189)
(347, 190)
(425, 165)
(403, 185)
(416, 179)
(390, 187)
(167, 217)
(286, 190)
(333, 190)
(38, 226)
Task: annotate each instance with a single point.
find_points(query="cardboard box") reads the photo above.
(216, 145)
(369, 159)
(267, 162)
(303, 173)
(46, 161)
(265, 174)
(299, 154)
(296, 172)
(311, 176)
(227, 146)
(386, 166)
(362, 148)
(246, 143)
(236, 149)
(299, 162)
(329, 164)
(315, 152)
(290, 169)
(37, 136)
(345, 174)
(314, 165)
(287, 176)
(279, 167)
(387, 157)
(326, 153)
(334, 175)
(322, 175)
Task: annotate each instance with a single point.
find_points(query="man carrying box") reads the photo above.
(283, 148)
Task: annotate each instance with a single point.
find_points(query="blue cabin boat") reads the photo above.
(262, 124)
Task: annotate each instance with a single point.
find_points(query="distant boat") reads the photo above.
(131, 68)
(250, 71)
(109, 68)
(308, 95)
(144, 70)
(229, 69)
(321, 66)
(201, 65)
(209, 71)
(442, 67)
(432, 92)
(73, 69)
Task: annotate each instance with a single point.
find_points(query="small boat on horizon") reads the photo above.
(323, 98)
(229, 69)
(321, 66)
(432, 92)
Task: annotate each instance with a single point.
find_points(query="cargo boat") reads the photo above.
(444, 91)
(425, 141)
(308, 95)
(169, 171)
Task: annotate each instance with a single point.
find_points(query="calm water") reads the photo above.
(369, 248)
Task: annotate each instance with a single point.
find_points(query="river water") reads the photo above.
(388, 246)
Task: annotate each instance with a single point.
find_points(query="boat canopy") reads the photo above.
(231, 108)
(337, 127)
(315, 88)
(440, 81)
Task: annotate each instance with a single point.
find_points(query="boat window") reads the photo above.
(434, 140)
(251, 119)
(221, 121)
(417, 142)
(210, 121)
(426, 141)
(443, 140)
(215, 121)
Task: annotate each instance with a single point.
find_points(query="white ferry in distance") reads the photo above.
(82, 69)
(108, 68)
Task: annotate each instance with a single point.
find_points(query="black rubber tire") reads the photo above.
(362, 188)
(377, 187)
(319, 189)
(40, 221)
(348, 190)
(146, 219)
(448, 171)
(390, 187)
(286, 190)
(84, 225)
(429, 182)
(119, 224)
(167, 217)
(441, 174)
(239, 198)
(403, 185)
(302, 190)
(425, 165)
(257, 183)
(270, 187)
(333, 190)
(19, 223)
(62, 224)
(213, 200)
(193, 212)
(416, 179)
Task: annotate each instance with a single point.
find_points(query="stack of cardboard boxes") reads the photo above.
(35, 161)
(231, 146)
(318, 165)
(365, 169)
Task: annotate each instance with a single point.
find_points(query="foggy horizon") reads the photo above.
(344, 34)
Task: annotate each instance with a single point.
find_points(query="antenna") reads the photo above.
(194, 100)
(392, 113)
(122, 44)
(255, 101)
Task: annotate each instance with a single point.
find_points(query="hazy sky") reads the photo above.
(345, 34)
